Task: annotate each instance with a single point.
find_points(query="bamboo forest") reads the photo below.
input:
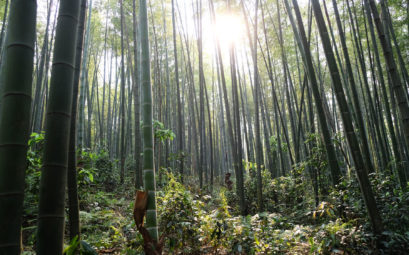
(204, 127)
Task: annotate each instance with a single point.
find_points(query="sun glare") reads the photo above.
(229, 29)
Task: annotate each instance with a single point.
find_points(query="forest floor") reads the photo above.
(107, 225)
(207, 222)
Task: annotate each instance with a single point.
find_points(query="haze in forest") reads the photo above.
(204, 127)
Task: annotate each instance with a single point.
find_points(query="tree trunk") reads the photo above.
(361, 169)
(15, 120)
(73, 207)
(54, 174)
(147, 131)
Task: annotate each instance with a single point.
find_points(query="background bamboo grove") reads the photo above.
(313, 90)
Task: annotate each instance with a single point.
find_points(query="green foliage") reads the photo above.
(324, 209)
(33, 172)
(86, 176)
(317, 157)
(317, 165)
(178, 157)
(179, 217)
(338, 237)
(86, 249)
(95, 168)
(393, 202)
(285, 194)
(193, 220)
(275, 147)
(72, 247)
(32, 185)
(250, 188)
(214, 229)
(161, 133)
(106, 220)
(289, 192)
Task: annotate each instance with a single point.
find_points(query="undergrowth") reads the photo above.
(207, 221)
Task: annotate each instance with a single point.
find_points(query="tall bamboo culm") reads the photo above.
(147, 131)
(15, 120)
(73, 206)
(50, 233)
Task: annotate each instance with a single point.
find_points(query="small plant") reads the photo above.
(178, 217)
(72, 247)
(161, 133)
(95, 168)
(324, 210)
(32, 184)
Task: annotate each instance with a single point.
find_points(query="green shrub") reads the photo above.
(178, 217)
(95, 168)
(32, 187)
